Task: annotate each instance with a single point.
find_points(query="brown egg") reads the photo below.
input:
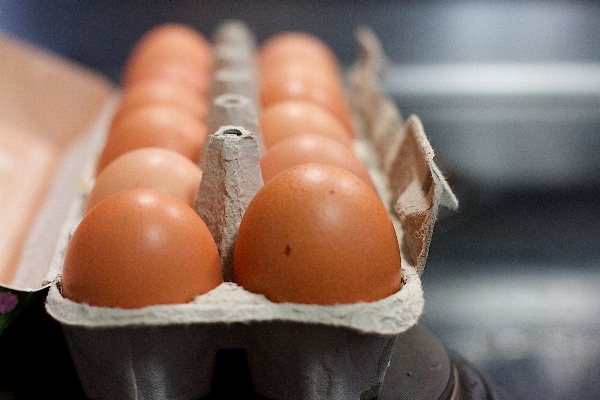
(158, 91)
(173, 40)
(296, 117)
(307, 148)
(180, 73)
(297, 66)
(317, 234)
(297, 47)
(170, 49)
(156, 125)
(137, 248)
(150, 167)
(309, 85)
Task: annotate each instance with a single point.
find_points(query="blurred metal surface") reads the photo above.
(508, 125)
(534, 332)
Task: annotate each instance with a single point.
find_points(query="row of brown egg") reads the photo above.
(316, 232)
(140, 241)
(305, 115)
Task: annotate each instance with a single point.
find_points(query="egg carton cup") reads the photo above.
(293, 351)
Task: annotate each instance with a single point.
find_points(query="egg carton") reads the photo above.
(293, 351)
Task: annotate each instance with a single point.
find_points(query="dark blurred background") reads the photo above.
(509, 95)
